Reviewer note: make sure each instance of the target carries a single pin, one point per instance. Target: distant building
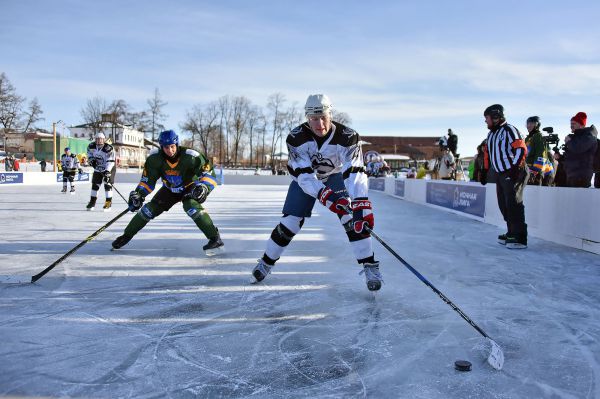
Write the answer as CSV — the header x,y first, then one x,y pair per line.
x,y
129,144
416,148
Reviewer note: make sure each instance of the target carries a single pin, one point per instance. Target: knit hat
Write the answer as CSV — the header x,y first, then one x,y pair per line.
x,y
580,118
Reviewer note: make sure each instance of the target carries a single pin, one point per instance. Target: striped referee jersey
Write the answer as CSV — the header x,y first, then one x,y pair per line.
x,y
505,148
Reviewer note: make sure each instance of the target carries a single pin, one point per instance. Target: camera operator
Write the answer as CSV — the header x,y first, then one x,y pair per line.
x,y
446,165
536,151
505,150
579,153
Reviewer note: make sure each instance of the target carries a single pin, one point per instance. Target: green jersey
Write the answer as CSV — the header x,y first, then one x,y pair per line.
x,y
189,168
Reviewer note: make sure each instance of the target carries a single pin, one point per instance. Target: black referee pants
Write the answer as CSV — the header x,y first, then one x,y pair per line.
x,y
510,201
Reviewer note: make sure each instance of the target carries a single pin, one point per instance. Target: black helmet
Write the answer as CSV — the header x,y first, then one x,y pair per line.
x,y
536,120
495,111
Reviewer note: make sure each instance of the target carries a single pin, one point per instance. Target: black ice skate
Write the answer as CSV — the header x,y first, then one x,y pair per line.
x,y
214,246
121,241
72,190
502,239
64,190
90,206
107,205
261,270
372,275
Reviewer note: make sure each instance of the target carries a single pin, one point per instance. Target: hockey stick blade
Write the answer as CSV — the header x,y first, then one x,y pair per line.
x,y
496,357
15,280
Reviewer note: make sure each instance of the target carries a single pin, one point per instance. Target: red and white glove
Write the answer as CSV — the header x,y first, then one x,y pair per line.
x,y
362,215
337,203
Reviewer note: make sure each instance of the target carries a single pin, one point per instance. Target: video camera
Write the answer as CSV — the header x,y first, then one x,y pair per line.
x,y
552,138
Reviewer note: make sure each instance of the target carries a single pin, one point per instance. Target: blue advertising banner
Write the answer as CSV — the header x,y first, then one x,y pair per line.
x,y
78,177
377,184
467,199
11,178
399,188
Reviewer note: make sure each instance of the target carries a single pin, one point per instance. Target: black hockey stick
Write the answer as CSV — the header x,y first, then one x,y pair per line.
x,y
120,195
496,356
33,279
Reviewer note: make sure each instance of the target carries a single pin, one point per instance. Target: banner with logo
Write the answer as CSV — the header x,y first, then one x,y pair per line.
x,y
377,184
399,188
11,178
467,199
78,177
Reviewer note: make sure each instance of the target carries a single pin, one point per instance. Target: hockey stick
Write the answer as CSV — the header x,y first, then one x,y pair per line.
x,y
33,279
496,356
120,195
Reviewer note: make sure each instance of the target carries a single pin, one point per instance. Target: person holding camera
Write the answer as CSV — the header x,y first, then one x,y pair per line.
x,y
579,152
536,151
446,165
505,150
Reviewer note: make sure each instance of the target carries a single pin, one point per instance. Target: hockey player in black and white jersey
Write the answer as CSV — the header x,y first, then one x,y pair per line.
x,y
101,157
70,165
326,164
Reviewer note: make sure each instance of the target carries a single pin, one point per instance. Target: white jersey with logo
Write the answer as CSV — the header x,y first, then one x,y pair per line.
x,y
69,163
310,163
104,156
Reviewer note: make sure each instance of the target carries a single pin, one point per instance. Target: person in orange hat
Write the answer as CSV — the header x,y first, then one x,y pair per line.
x,y
579,152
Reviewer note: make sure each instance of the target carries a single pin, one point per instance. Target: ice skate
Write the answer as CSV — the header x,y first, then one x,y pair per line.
x,y
214,246
372,275
121,241
502,239
90,206
107,205
516,242
261,270
64,190
72,190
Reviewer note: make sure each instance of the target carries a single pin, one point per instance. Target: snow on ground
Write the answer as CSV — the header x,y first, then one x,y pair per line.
x,y
159,319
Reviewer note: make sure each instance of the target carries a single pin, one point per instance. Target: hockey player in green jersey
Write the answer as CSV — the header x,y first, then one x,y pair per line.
x,y
187,176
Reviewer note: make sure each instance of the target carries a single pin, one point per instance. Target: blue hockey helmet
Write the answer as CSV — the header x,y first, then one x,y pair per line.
x,y
67,149
168,137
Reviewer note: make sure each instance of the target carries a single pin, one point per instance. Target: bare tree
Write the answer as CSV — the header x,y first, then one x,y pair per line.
x,y
201,123
224,115
341,117
10,104
276,120
32,115
240,108
155,113
92,112
253,123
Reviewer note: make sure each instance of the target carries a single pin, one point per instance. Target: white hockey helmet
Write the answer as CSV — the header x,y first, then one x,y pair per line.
x,y
100,135
317,104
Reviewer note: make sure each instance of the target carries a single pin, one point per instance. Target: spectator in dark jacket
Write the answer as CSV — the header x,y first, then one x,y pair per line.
x,y
579,153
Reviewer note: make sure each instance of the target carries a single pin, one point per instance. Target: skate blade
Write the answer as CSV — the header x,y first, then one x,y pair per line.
x,y
15,279
106,209
215,251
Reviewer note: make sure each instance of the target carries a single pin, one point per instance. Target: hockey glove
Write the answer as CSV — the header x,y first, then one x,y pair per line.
x,y
106,176
80,171
199,192
135,201
334,201
93,163
362,215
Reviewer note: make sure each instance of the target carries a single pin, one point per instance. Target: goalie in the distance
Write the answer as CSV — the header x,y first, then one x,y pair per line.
x,y
187,177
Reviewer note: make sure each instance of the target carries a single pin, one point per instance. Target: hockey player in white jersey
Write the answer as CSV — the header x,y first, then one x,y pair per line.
x,y
102,158
326,164
70,165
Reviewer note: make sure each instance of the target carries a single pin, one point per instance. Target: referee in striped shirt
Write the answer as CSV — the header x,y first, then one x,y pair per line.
x,y
505,152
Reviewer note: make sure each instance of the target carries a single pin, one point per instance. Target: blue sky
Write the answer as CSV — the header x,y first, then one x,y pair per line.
x,y
412,68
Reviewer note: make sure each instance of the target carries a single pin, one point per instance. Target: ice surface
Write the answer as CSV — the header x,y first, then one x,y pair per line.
x,y
160,319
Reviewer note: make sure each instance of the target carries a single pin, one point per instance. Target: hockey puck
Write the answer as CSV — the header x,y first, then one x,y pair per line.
x,y
462,365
